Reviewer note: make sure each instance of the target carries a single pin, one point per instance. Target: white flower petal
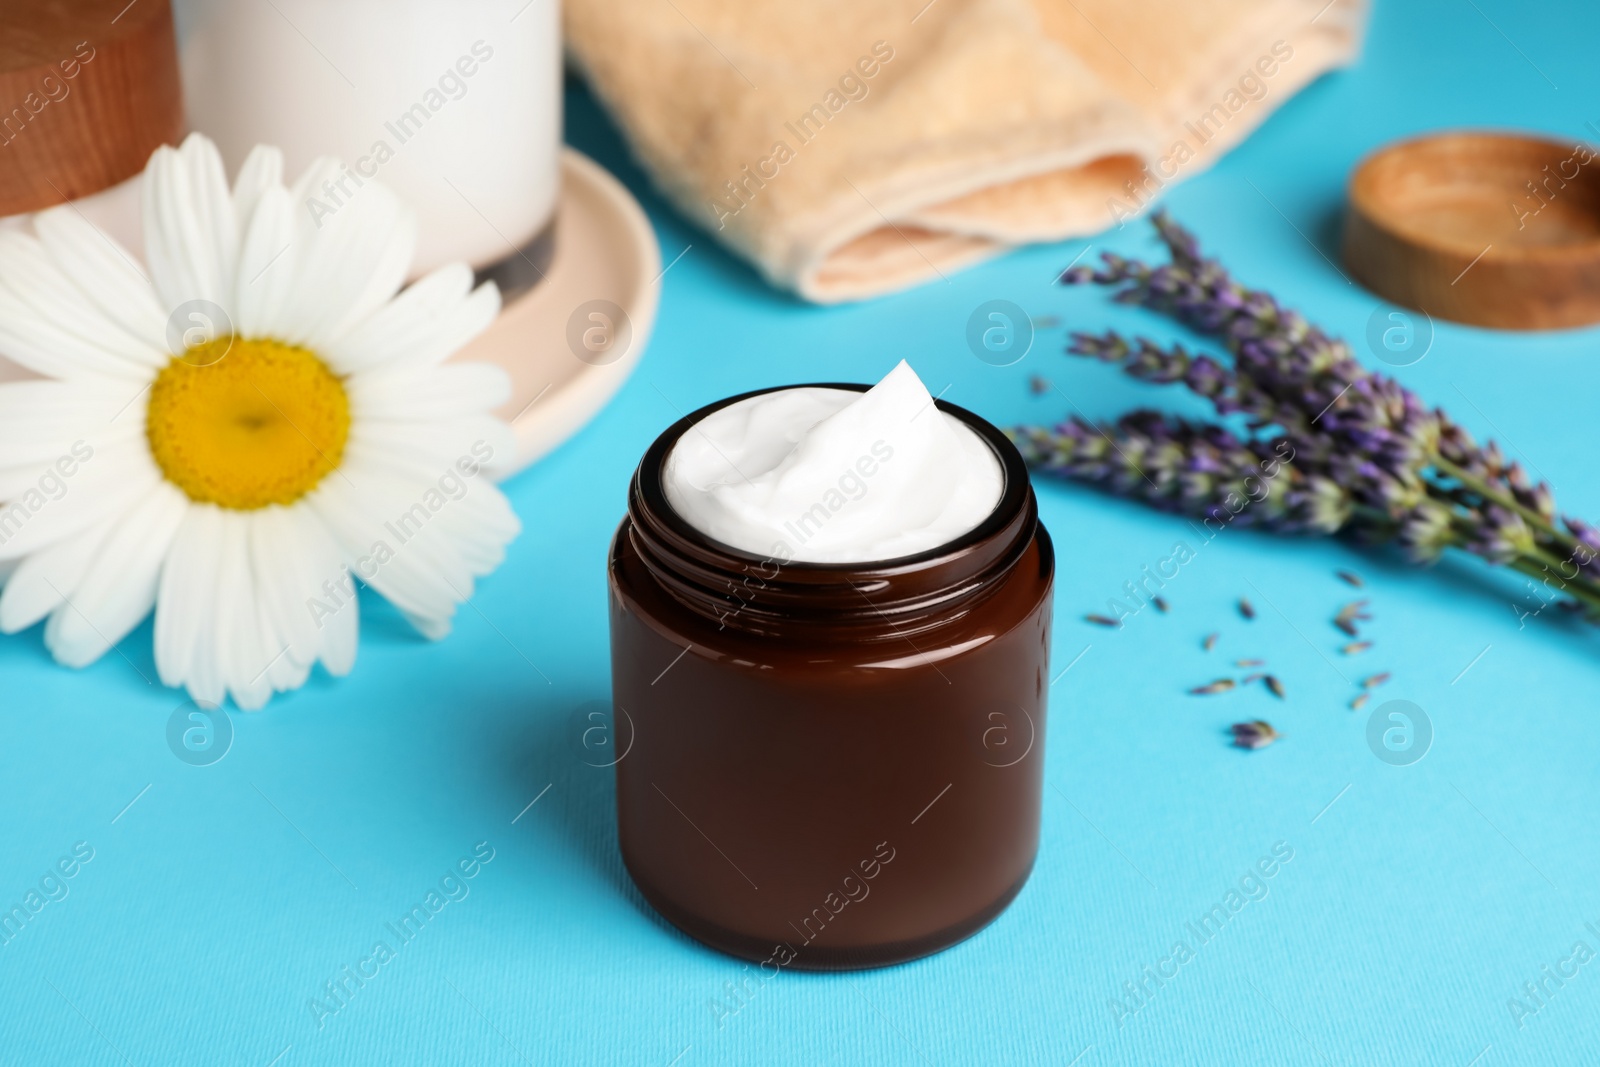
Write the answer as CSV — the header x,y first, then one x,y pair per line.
x,y
314,182
171,273
339,636
277,568
45,423
375,270
420,578
119,587
267,266
350,263
20,484
373,344
230,593
426,324
111,483
286,673
78,405
105,273
245,653
427,577
279,556
36,344
437,535
42,582
49,463
416,394
479,526
296,563
431,449
262,170
213,205
48,325
403,480
293,316
191,233
183,603
429,627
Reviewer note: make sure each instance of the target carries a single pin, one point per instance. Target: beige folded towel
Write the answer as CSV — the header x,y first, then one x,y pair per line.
x,y
856,147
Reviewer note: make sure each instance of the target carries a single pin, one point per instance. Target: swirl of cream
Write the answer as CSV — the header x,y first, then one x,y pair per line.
x,y
820,475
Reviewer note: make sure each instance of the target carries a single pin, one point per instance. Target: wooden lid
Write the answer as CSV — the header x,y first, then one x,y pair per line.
x,y
1489,229
88,89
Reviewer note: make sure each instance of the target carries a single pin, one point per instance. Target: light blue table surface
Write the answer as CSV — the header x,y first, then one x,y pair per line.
x,y
1419,900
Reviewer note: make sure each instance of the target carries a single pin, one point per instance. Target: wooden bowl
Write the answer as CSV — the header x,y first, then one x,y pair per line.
x,y
1489,229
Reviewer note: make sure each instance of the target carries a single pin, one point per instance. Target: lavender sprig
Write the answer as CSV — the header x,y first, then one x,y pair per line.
x,y
1194,469
1349,450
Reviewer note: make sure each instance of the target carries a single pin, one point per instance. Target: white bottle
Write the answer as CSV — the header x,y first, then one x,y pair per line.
x,y
453,104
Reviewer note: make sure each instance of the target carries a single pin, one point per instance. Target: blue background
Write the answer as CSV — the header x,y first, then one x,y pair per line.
x,y
1415,906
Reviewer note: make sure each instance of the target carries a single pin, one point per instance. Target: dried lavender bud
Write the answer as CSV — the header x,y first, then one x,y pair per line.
x,y
1249,663
1355,647
1373,681
1102,620
1246,608
1346,619
1253,735
1359,702
1038,385
1210,642
1350,577
1274,685
1221,685
1161,604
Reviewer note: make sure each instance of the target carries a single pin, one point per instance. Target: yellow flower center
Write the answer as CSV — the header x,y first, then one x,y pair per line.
x,y
247,423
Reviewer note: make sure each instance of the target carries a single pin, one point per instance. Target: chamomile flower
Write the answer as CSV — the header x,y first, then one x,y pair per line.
x,y
238,476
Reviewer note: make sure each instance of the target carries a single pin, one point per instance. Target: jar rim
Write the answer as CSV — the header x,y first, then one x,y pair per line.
x,y
897,597
1015,488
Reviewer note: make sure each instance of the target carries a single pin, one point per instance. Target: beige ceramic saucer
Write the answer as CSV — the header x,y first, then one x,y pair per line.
x,y
571,342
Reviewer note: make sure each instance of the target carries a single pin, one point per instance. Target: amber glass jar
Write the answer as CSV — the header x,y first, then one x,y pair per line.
x,y
832,765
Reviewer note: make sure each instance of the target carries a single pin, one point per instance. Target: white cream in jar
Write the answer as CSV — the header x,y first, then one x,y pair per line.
x,y
818,475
